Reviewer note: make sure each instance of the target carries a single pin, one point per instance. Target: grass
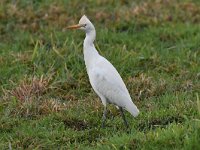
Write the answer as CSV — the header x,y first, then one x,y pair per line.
x,y
46,101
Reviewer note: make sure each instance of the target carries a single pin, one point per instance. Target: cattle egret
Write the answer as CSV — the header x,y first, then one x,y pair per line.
x,y
103,77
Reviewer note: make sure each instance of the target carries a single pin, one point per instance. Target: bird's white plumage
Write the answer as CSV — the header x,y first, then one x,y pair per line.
x,y
103,76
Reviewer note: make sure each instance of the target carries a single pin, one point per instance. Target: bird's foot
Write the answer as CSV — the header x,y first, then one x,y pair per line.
x,y
103,125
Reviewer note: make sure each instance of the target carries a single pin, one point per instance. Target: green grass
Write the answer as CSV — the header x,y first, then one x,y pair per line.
x,y
46,101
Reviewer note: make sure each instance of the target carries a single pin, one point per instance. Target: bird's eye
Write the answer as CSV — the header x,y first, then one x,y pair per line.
x,y
85,25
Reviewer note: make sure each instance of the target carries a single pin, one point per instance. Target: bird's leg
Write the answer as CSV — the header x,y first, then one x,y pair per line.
x,y
112,116
104,117
123,116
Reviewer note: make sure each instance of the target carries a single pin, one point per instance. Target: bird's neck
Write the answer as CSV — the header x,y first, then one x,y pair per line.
x,y
89,39
90,52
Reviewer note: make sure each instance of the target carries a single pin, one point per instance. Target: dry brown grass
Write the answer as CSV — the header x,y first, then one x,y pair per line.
x,y
188,82
56,14
163,10
30,99
29,19
29,89
24,57
143,86
152,12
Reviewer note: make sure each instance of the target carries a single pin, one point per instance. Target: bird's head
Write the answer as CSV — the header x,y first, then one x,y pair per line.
x,y
84,24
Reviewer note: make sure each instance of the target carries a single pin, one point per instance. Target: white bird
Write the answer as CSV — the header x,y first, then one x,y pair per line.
x,y
103,77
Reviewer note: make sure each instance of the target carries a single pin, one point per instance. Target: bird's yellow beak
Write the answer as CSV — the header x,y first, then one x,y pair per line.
x,y
77,26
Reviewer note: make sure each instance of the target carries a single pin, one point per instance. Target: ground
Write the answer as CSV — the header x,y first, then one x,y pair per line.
x,y
46,101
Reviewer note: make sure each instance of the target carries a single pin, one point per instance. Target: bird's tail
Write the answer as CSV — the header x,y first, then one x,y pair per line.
x,y
132,108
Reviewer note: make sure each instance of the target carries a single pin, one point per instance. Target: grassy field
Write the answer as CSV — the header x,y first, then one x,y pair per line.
x,y
46,101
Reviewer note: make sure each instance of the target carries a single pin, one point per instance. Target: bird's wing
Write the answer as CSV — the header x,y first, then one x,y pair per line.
x,y
106,81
